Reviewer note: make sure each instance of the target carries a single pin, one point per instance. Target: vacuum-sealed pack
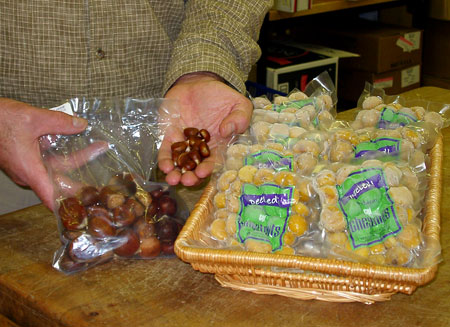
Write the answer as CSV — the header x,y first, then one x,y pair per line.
x,y
107,201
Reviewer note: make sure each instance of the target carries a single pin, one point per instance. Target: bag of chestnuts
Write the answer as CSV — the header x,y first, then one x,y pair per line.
x,y
106,202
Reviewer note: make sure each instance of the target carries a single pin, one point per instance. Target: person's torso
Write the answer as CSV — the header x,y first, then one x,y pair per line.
x,y
52,50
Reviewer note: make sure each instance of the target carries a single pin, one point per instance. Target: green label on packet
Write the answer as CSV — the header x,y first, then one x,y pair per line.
x,y
297,104
391,119
383,148
270,159
368,208
263,214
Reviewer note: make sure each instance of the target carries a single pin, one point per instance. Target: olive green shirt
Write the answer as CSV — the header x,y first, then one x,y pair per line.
x,y
52,50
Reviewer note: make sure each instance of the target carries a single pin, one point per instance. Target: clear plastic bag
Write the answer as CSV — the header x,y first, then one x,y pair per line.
x,y
107,203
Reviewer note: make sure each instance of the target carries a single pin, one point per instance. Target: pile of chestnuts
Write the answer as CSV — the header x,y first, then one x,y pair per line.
x,y
188,154
119,219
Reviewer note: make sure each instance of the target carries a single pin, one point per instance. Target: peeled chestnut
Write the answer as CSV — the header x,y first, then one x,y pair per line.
x,y
150,247
72,214
89,195
130,245
100,227
167,205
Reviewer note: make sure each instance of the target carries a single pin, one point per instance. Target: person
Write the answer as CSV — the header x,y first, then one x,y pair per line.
x,y
196,51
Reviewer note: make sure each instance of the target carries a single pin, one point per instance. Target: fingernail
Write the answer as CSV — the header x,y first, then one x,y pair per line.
x,y
78,122
229,128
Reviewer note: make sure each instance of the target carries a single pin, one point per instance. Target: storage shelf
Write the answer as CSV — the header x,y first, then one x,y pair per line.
x,y
322,6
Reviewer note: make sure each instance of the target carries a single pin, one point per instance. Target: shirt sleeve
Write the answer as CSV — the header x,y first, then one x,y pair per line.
x,y
218,36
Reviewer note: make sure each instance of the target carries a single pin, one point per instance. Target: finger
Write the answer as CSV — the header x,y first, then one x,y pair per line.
x,y
78,158
165,162
189,178
237,121
40,183
173,177
53,122
205,168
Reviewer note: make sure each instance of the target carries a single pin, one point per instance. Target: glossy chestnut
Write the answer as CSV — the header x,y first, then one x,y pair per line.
x,y
150,247
72,214
131,243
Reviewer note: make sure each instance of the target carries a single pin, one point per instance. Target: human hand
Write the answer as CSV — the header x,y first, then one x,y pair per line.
x,y
205,101
21,126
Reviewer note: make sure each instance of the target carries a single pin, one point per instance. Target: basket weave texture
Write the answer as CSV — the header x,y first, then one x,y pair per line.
x,y
306,277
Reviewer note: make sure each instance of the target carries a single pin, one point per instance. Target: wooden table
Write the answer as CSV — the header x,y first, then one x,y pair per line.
x,y
169,292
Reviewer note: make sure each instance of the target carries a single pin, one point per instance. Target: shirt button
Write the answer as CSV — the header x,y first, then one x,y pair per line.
x,y
100,54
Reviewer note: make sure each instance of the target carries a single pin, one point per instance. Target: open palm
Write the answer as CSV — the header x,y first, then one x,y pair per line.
x,y
204,102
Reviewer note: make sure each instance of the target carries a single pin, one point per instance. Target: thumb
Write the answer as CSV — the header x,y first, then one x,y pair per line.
x,y
237,121
54,122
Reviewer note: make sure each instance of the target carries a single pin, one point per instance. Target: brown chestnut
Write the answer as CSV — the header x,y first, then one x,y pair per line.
x,y
193,141
152,210
138,208
167,205
71,234
167,230
100,227
123,183
190,131
72,214
89,195
110,198
204,134
150,247
179,146
204,149
168,248
130,245
145,228
195,156
97,210
123,215
157,193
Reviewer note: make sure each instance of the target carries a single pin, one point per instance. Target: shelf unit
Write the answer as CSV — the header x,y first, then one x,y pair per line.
x,y
322,6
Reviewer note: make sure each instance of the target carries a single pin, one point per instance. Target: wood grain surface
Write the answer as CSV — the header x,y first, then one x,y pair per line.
x,y
168,292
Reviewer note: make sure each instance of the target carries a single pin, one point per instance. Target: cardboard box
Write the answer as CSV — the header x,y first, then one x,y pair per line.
x,y
381,47
440,9
352,82
291,65
436,51
292,5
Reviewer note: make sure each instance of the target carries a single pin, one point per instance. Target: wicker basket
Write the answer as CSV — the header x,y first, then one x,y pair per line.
x,y
306,277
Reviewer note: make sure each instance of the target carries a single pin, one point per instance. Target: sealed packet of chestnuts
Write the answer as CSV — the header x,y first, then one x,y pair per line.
x,y
106,202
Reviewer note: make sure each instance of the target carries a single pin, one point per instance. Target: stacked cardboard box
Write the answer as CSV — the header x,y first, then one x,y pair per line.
x,y
390,56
